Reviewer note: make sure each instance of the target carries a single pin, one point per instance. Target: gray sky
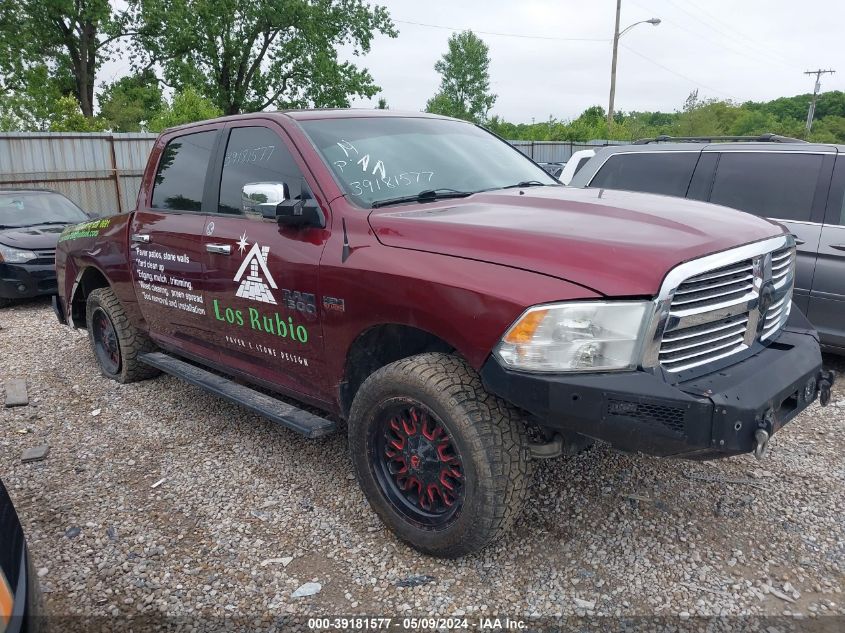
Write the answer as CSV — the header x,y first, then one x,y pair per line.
x,y
741,50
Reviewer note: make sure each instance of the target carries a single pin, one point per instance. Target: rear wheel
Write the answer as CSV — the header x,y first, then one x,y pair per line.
x,y
442,462
115,341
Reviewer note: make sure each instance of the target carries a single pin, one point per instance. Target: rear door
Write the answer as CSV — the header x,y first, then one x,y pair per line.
x,y
166,244
264,299
787,186
827,299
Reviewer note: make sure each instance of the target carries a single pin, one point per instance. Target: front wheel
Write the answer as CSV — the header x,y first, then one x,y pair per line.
x,y
443,463
115,341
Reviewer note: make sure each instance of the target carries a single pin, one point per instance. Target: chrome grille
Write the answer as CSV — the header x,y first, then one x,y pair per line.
x,y
726,285
700,344
783,280
720,305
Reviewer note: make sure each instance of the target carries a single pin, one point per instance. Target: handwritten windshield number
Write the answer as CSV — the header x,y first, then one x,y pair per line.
x,y
391,182
249,155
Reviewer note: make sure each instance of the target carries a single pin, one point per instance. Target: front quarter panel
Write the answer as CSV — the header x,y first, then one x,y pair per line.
x,y
466,303
101,244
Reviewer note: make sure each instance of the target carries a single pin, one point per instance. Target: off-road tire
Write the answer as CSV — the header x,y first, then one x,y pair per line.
x,y
131,340
5,303
489,434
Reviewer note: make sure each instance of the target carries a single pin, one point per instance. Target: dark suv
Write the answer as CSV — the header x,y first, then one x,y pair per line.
x,y
801,185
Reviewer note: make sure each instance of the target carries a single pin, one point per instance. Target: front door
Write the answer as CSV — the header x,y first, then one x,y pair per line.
x,y
166,246
263,300
827,300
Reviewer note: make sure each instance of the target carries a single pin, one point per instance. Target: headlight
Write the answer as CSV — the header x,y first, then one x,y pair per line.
x,y
14,255
578,336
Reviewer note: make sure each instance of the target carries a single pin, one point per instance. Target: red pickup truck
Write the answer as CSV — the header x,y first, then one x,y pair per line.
x,y
418,278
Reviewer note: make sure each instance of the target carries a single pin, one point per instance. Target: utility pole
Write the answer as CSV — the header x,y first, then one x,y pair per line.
x,y
616,35
613,65
818,73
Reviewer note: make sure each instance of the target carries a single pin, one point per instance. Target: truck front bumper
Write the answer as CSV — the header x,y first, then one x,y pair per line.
x,y
715,415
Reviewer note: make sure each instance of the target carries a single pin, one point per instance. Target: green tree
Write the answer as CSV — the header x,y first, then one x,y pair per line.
x,y
186,107
69,38
464,79
131,102
67,117
31,107
248,55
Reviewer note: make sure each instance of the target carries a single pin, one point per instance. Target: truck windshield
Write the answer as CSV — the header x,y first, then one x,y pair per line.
x,y
384,158
26,208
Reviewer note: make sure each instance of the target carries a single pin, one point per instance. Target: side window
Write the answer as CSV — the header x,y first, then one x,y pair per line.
x,y
774,185
256,155
668,173
180,178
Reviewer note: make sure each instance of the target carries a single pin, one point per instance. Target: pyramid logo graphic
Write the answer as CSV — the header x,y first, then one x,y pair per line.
x,y
256,285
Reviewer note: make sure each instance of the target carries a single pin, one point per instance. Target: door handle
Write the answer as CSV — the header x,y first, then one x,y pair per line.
x,y
141,237
220,249
839,247
798,240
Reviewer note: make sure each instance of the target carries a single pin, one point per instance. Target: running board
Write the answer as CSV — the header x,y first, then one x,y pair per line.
x,y
294,418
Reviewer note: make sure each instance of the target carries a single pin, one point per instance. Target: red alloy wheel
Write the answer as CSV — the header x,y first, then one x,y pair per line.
x,y
418,465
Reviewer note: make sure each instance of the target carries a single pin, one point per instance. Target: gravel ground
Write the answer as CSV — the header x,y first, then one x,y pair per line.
x,y
603,533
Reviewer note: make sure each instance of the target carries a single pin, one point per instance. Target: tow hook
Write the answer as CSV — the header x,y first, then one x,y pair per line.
x,y
764,431
826,380
761,443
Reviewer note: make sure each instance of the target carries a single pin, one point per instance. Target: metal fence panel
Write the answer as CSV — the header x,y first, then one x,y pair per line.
x,y
557,151
99,172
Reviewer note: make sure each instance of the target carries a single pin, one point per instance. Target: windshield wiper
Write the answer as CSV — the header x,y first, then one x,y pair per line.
x,y
428,195
52,222
526,183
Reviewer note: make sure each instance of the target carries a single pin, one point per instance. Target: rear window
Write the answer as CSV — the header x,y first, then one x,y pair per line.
x,y
667,173
180,178
771,185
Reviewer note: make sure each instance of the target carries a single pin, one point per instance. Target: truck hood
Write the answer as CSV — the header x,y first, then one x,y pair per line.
x,y
32,237
616,243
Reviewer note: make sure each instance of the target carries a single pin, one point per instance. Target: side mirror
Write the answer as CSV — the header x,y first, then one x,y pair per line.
x,y
300,213
263,197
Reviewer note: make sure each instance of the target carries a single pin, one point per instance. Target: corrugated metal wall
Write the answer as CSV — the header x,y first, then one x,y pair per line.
x,y
102,172
557,151
99,172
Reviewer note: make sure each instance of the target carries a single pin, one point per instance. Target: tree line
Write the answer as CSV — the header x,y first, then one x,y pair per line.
x,y
697,117
215,57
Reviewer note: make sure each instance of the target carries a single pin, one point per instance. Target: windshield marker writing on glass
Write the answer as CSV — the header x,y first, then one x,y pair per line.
x,y
347,147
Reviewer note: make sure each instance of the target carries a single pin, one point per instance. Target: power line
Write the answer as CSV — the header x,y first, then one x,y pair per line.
x,y
740,37
675,72
743,35
500,34
744,54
